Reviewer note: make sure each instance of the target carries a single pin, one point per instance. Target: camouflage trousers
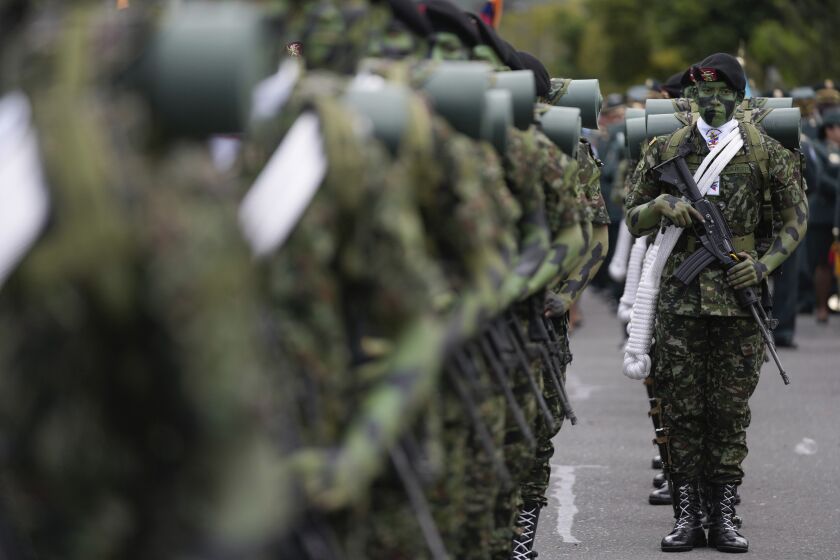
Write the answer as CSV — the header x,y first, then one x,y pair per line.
x,y
518,457
536,484
706,370
482,481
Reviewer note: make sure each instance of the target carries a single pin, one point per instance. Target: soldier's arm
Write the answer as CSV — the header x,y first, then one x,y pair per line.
x,y
564,255
788,198
596,251
646,205
570,290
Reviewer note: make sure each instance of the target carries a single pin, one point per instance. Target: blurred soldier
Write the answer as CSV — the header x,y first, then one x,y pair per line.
x,y
822,199
827,96
136,386
707,349
805,99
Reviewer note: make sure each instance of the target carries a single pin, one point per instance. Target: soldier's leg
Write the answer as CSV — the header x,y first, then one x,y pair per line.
x,y
737,354
482,480
786,287
680,358
520,456
536,485
680,382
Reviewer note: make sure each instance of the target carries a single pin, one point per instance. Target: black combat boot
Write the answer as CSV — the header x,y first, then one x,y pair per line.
x,y
656,462
723,527
688,531
659,480
523,544
660,497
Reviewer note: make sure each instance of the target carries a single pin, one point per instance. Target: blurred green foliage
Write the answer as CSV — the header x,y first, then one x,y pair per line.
x,y
623,42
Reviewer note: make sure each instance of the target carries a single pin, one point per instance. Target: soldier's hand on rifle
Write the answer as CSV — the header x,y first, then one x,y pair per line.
x,y
746,273
555,305
677,210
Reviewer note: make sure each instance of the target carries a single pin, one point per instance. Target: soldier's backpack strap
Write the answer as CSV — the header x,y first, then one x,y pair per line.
x,y
757,153
675,141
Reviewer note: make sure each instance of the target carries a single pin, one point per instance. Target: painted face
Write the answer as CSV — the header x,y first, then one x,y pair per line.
x,y
717,102
448,47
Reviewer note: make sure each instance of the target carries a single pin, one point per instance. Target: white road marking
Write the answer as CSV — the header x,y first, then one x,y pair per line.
x,y
563,493
806,447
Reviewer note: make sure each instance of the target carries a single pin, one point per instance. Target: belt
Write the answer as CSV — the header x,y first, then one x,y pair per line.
x,y
689,242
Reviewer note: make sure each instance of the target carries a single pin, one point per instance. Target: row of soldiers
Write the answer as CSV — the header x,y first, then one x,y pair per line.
x,y
339,333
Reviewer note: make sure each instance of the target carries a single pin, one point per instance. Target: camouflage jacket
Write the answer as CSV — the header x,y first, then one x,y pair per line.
x,y
589,176
740,200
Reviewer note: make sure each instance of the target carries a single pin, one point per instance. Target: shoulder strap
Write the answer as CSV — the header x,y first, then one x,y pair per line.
x,y
675,141
757,153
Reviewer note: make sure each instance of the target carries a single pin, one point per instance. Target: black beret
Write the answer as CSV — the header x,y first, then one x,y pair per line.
x,y
673,85
720,66
506,53
446,17
541,76
406,12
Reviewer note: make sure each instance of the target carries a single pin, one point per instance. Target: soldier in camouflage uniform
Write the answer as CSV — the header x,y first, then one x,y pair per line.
x,y
136,388
708,350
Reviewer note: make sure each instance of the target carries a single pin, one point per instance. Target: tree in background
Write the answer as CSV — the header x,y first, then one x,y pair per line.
x,y
624,42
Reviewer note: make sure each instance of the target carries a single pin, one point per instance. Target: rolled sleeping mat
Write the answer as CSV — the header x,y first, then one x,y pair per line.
x,y
770,103
636,136
633,113
586,96
665,106
387,109
562,125
202,64
498,118
523,91
784,125
662,125
456,90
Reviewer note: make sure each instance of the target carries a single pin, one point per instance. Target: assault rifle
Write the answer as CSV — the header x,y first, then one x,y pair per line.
x,y
715,246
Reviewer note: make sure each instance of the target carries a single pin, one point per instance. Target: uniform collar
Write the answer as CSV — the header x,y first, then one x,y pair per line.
x,y
724,129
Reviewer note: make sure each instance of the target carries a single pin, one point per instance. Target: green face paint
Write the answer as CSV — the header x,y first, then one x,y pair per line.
x,y
717,102
448,46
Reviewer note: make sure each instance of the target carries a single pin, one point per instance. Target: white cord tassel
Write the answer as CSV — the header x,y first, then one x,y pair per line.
x,y
618,264
637,361
631,282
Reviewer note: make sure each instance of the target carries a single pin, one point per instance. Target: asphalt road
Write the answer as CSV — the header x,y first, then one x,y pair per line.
x,y
601,473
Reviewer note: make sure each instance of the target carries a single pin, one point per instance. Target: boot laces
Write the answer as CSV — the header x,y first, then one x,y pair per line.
x,y
686,514
727,508
524,543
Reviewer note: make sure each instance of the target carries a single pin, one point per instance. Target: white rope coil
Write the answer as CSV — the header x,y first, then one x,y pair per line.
x,y
631,282
637,361
619,263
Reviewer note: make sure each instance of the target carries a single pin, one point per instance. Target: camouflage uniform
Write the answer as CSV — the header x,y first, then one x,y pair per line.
x,y
135,387
708,351
590,210
362,248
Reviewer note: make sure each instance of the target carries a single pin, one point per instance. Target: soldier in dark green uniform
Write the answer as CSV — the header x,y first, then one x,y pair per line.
x,y
708,350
